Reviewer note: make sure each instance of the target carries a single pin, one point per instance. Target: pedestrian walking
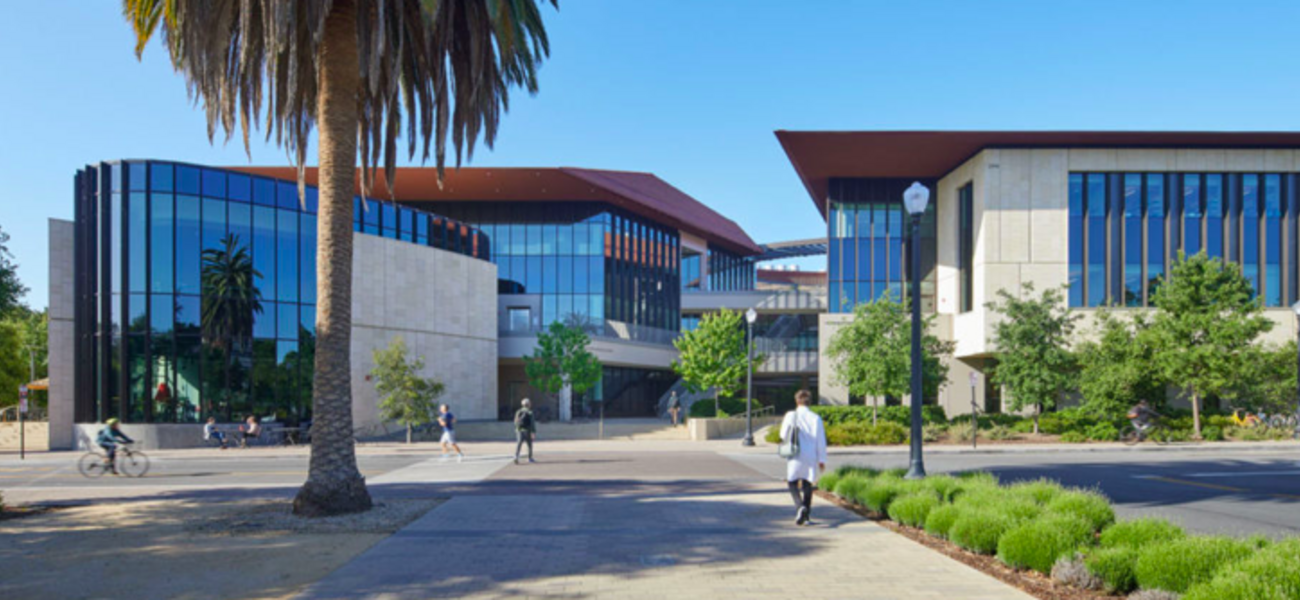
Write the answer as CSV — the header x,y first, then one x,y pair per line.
x,y
803,443
674,407
525,429
447,421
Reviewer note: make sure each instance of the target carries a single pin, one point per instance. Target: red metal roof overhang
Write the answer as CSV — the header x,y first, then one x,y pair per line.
x,y
640,193
817,156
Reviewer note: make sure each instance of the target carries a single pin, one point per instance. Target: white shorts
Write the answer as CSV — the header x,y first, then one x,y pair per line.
x,y
448,437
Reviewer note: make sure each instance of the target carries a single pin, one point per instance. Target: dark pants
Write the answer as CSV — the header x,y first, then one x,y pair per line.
x,y
804,486
110,450
522,437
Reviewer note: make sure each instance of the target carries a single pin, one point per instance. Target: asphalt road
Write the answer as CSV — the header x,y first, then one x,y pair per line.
x,y
1233,492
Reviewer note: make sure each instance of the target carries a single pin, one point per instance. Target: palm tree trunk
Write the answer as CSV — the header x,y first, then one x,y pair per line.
x,y
334,485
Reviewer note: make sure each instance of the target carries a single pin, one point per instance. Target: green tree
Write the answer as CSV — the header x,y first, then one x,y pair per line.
x,y
1118,367
367,73
11,289
1267,380
1030,340
230,301
712,356
873,355
13,361
562,363
404,395
1206,319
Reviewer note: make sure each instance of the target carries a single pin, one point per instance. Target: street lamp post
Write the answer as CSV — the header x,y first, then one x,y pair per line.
x,y
915,199
751,315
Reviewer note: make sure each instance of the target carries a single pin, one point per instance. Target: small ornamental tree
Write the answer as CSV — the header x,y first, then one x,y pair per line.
x,y
1267,379
404,395
873,356
1206,319
11,289
713,355
1035,365
562,364
1118,368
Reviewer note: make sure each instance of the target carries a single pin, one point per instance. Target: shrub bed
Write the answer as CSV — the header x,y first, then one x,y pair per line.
x,y
1038,525
1178,565
704,408
865,434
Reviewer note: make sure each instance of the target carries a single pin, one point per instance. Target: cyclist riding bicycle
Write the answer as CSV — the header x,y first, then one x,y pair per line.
x,y
1142,416
107,439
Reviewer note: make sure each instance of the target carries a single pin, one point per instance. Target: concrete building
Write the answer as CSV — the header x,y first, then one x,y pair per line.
x,y
1101,212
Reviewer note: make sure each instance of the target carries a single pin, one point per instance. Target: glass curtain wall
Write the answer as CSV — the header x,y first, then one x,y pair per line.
x,y
588,263
729,272
1126,229
196,292
867,232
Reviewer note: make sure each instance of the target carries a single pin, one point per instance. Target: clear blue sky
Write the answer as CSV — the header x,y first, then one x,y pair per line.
x,y
692,90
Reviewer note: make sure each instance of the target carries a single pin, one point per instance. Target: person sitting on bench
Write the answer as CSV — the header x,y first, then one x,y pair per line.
x,y
250,429
211,433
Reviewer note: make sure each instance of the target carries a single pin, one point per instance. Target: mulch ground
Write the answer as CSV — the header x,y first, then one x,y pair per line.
x,y
1030,582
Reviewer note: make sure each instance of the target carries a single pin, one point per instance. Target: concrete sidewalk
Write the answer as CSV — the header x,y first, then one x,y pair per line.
x,y
645,525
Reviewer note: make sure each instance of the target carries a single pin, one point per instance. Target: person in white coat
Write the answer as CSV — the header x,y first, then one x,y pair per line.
x,y
803,469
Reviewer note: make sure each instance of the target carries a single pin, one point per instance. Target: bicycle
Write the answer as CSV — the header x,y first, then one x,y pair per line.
x,y
1285,421
132,463
1132,434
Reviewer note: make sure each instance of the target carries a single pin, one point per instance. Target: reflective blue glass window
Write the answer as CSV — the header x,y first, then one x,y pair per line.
x,y
582,275
533,274
187,180
287,321
1132,240
160,177
1214,215
564,266
313,200
1076,239
286,251
1155,232
596,269
138,181
240,224
214,223
263,191
1192,213
115,242
307,258
137,235
550,278
188,317
188,231
161,310
1250,229
564,240
306,321
137,316
161,223
1096,198
264,251
239,187
264,321
1273,240
214,183
286,195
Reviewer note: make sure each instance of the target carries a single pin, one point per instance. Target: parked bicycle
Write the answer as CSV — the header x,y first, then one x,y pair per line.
x,y
132,463
1156,431
1285,421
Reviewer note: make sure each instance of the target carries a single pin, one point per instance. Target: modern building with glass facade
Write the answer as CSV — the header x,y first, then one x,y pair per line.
x,y
193,288
1105,213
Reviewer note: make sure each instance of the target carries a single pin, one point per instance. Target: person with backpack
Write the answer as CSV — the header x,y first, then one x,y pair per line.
x,y
525,429
803,445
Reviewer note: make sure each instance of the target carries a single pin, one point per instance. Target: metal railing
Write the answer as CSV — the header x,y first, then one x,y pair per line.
x,y
615,330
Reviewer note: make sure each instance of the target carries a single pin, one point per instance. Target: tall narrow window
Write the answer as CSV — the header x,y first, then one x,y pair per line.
x,y
966,237
1155,204
1132,240
1096,199
1273,240
1192,214
1214,215
1076,216
1250,229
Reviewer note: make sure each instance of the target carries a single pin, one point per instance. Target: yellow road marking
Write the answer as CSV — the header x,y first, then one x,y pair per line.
x,y
1225,488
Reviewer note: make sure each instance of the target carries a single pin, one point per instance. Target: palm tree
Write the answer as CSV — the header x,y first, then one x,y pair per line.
x,y
230,299
353,67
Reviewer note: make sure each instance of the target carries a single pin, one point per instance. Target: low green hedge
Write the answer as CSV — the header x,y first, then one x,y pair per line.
x,y
704,408
1140,533
940,520
1271,574
1178,565
828,481
865,434
1037,544
913,509
1092,507
979,529
1115,567
1041,491
901,415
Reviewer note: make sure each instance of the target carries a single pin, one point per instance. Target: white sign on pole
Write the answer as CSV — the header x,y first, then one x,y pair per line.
x,y
22,398
974,379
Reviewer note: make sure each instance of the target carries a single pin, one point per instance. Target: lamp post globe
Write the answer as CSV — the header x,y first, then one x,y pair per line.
x,y
915,199
751,315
